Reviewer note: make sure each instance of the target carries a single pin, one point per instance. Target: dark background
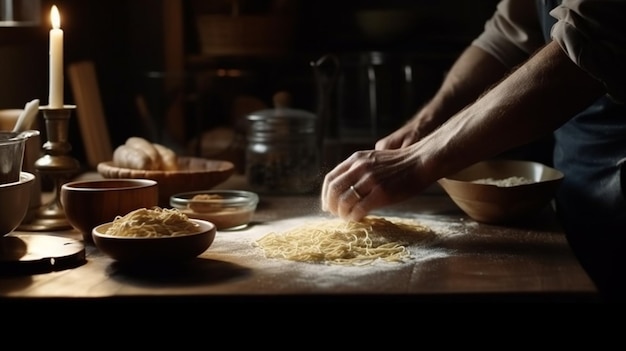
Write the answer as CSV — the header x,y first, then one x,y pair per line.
x,y
124,38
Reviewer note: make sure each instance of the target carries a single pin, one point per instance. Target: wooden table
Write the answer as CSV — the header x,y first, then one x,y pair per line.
x,y
468,262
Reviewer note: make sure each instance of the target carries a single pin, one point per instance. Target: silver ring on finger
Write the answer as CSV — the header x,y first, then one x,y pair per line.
x,y
356,193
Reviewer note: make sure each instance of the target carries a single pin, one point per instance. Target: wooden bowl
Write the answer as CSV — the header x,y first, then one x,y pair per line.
x,y
163,249
194,173
502,203
88,203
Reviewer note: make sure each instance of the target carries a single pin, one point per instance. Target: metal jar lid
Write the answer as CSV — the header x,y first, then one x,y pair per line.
x,y
281,122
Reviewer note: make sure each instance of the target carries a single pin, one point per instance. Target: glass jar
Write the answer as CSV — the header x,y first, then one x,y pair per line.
x,y
282,154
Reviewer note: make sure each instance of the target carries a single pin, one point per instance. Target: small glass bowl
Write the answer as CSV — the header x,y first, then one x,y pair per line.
x,y
227,209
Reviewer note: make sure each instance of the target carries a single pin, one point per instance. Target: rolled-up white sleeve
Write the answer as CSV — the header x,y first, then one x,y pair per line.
x,y
593,34
513,33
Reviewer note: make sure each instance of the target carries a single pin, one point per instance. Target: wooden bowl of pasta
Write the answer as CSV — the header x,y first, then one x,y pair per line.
x,y
154,236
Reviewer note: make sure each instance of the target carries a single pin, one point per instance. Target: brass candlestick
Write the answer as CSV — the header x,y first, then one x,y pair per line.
x,y
56,164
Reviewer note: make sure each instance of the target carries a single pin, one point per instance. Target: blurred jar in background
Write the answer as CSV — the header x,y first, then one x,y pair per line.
x,y
282,154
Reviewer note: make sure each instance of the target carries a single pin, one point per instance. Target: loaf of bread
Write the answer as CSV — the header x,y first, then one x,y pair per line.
x,y
169,161
139,153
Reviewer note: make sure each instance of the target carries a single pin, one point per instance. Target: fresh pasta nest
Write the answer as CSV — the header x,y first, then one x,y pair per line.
x,y
154,222
154,235
335,241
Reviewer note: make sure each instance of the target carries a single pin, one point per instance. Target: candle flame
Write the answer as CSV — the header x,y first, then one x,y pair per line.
x,y
55,17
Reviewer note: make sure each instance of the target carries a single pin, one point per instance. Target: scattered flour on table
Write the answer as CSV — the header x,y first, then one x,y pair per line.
x,y
239,247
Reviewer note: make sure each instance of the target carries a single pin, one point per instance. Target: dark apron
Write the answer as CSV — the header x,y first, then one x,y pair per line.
x,y
590,150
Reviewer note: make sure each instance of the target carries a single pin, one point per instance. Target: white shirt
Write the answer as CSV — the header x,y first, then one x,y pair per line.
x,y
591,32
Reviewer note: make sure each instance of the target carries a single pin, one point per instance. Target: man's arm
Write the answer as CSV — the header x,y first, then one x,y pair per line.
x,y
472,73
534,100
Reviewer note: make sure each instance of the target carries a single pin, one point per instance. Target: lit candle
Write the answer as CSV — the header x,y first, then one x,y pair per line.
x,y
55,99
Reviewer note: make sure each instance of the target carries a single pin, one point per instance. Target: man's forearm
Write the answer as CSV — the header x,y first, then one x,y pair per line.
x,y
473,73
534,100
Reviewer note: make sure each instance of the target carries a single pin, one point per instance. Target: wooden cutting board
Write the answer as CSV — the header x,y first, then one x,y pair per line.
x,y
34,253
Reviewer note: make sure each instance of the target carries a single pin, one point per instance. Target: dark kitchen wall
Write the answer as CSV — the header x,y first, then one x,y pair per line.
x,y
392,25
425,35
23,63
125,40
